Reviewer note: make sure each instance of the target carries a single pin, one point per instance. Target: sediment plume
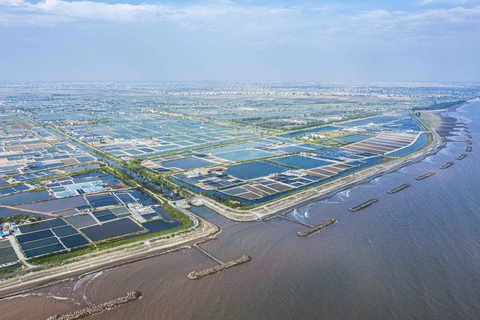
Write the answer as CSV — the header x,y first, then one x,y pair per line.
x,y
46,285
85,312
309,231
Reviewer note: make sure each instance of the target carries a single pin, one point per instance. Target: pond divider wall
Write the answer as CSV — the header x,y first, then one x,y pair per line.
x,y
425,176
85,312
196,275
309,231
446,165
363,205
399,188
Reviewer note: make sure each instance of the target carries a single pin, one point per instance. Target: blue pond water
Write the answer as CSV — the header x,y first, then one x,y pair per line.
x,y
302,162
255,169
245,155
111,229
421,141
187,163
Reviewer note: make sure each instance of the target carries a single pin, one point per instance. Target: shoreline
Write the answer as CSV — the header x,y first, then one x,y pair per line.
x,y
109,260
146,249
318,193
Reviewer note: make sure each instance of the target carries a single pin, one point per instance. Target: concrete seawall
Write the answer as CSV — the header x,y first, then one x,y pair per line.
x,y
85,312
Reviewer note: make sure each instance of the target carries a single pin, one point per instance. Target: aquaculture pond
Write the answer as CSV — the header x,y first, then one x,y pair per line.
x,y
302,162
160,225
25,197
257,169
81,221
187,163
245,155
420,142
47,237
374,120
111,229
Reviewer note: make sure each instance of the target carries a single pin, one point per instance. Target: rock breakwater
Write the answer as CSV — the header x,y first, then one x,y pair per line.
x,y
309,231
362,206
85,312
196,275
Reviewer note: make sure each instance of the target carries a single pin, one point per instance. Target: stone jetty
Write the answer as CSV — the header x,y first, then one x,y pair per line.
x,y
196,275
309,231
399,188
85,312
425,176
447,165
462,156
362,206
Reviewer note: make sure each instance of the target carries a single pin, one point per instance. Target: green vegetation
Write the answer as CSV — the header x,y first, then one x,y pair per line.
x,y
8,270
62,256
439,106
21,217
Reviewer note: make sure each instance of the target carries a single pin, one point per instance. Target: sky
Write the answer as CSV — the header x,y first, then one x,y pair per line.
x,y
265,40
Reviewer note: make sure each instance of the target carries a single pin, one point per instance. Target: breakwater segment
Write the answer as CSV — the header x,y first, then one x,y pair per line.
x,y
469,149
447,165
425,176
362,206
399,188
196,275
462,156
85,312
309,231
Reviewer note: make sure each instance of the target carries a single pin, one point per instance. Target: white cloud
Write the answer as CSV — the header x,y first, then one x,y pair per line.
x,y
256,23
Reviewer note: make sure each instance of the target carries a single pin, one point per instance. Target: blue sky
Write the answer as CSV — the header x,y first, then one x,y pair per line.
x,y
417,40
